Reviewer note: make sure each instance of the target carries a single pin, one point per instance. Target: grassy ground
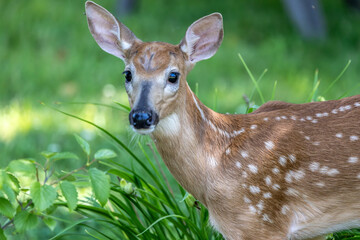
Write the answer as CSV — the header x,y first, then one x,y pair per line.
x,y
47,54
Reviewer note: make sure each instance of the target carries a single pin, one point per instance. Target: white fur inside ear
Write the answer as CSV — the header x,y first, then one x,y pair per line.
x,y
125,45
169,125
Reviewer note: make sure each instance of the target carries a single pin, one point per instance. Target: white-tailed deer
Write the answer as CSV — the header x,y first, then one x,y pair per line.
x,y
285,171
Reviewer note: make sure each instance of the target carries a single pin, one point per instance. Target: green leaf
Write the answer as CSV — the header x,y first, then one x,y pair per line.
x,y
48,154
2,235
24,221
2,178
23,167
69,192
43,196
64,155
100,183
10,194
51,223
105,154
83,144
6,208
13,182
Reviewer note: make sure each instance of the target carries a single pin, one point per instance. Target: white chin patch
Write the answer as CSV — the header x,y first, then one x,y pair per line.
x,y
144,131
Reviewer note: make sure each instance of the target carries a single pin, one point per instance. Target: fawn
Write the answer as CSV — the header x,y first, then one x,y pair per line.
x,y
285,171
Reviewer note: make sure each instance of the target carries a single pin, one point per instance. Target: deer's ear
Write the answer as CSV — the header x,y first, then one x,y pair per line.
x,y
110,34
203,38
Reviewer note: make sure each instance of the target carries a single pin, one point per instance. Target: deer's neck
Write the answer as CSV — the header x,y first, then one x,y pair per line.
x,y
191,142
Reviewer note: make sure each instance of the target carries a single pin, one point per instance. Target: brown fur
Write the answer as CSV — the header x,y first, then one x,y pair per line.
x,y
281,172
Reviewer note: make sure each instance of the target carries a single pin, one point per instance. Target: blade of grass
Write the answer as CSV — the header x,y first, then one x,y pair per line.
x,y
315,85
313,91
160,219
338,78
273,91
258,81
252,79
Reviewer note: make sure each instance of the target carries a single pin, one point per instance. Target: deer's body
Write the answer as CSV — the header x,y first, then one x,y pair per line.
x,y
285,171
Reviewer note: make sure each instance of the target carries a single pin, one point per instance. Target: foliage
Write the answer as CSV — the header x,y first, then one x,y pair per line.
x,y
119,197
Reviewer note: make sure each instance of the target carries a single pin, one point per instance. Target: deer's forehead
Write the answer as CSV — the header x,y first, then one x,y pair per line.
x,y
152,58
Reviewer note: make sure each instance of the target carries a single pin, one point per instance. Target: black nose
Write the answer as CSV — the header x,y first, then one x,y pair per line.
x,y
142,119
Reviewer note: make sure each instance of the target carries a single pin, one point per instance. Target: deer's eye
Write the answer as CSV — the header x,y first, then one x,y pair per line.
x,y
128,76
173,77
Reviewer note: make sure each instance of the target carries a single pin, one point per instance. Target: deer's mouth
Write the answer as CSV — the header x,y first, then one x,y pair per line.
x,y
143,121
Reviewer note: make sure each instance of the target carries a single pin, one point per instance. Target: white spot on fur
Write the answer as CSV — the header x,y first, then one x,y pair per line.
x,y
244,174
314,121
254,189
302,119
357,104
353,159
227,152
316,143
334,111
354,138
307,138
253,127
266,218
282,161
238,164
277,118
244,185
260,206
319,115
314,166
292,158
284,117
267,195
253,168
238,132
358,176
339,135
247,200
276,186
320,184
309,118
275,170
284,209
292,192
288,176
324,170
269,145
293,117
244,154
268,180
252,209
266,119
333,172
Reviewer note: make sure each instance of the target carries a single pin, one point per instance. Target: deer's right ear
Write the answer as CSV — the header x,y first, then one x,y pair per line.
x,y
110,34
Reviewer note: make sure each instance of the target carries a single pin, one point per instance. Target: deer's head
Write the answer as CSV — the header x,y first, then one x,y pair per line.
x,y
155,72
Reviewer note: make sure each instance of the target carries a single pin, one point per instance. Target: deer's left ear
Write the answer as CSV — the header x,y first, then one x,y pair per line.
x,y
203,38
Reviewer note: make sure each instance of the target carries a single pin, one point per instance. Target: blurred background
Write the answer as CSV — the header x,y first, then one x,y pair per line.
x,y
48,55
